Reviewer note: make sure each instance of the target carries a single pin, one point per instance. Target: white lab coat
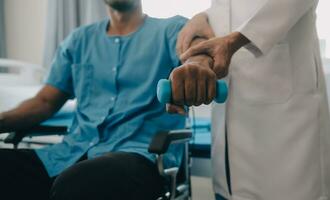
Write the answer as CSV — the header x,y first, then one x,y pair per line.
x,y
277,116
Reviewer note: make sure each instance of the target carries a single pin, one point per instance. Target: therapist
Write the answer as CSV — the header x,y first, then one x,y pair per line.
x,y
275,144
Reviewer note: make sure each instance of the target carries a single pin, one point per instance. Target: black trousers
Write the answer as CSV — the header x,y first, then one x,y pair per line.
x,y
115,176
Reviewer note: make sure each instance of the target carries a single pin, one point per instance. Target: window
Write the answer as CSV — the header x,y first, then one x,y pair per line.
x,y
168,8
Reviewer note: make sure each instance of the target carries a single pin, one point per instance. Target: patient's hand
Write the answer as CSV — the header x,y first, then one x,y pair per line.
x,y
193,83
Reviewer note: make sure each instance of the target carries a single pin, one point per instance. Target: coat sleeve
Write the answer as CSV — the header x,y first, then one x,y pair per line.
x,y
271,23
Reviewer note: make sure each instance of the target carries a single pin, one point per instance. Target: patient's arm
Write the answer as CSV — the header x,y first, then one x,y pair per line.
x,y
187,88
33,111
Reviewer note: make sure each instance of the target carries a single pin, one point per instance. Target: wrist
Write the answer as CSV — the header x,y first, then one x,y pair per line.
x,y
236,41
202,59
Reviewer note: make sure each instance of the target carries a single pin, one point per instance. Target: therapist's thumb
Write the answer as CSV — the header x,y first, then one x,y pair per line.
x,y
184,40
221,66
201,48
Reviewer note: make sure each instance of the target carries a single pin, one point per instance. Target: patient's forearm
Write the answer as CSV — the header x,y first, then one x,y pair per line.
x,y
31,112
25,116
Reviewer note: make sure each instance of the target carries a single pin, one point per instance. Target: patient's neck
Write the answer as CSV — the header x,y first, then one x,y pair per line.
x,y
123,23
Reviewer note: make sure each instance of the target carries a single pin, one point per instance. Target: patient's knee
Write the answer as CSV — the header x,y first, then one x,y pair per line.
x,y
79,182
67,186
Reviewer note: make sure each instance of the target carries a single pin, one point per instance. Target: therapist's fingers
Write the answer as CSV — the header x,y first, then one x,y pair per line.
x,y
187,42
201,48
209,32
174,109
197,27
221,64
184,40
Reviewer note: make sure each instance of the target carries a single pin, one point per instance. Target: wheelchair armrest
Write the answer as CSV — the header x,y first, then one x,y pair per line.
x,y
16,137
162,140
159,146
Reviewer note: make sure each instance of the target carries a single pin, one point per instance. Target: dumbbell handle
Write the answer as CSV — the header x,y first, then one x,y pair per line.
x,y
164,91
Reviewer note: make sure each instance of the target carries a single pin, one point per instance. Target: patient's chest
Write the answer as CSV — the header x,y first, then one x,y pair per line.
x,y
122,72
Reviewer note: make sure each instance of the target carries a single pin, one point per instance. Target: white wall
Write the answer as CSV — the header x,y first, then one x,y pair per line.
x,y
168,8
25,29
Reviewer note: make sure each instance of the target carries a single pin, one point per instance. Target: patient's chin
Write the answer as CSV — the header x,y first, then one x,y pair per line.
x,y
122,6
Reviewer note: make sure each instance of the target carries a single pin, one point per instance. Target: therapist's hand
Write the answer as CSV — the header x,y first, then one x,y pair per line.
x,y
221,49
193,84
198,26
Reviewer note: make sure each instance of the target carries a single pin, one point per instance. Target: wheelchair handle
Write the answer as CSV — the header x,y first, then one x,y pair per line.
x,y
164,91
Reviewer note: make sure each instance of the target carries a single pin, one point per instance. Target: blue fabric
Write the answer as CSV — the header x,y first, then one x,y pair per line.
x,y
114,80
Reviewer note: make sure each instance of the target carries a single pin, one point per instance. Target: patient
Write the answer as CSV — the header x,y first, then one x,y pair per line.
x,y
112,69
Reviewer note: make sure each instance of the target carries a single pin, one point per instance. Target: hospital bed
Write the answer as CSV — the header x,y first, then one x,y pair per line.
x,y
14,73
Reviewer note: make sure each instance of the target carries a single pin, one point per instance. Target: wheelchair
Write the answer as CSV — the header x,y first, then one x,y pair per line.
x,y
177,179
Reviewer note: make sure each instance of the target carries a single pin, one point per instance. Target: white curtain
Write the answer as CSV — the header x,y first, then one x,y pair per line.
x,y
64,16
2,31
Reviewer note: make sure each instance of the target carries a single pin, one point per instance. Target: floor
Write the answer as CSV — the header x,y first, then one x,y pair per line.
x,y
202,188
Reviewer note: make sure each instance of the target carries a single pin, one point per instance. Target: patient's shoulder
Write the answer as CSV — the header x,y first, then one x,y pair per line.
x,y
173,26
169,26
176,19
169,22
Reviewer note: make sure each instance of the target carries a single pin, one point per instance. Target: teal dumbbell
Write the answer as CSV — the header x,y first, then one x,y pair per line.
x,y
164,91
